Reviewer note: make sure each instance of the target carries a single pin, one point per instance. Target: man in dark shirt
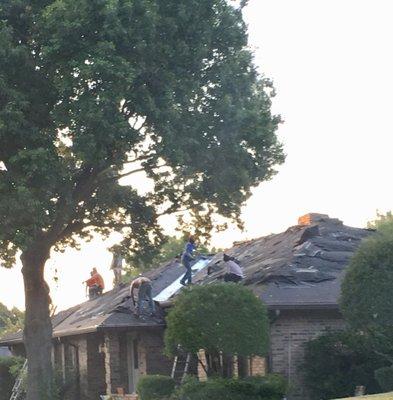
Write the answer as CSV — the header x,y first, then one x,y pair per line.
x,y
186,259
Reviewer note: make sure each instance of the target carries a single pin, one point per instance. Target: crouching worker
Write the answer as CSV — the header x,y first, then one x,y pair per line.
x,y
234,270
144,287
95,284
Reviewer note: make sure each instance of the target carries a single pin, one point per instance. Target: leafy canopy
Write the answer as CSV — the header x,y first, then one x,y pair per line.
x,y
96,90
225,318
10,320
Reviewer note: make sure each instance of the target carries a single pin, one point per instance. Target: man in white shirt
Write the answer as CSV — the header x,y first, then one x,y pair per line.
x,y
234,270
144,287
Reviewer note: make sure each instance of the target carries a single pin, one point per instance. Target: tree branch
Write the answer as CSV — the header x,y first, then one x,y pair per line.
x,y
134,171
171,210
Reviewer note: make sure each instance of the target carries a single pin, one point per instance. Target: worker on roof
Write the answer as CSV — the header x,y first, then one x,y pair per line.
x,y
234,270
117,264
186,258
144,287
95,284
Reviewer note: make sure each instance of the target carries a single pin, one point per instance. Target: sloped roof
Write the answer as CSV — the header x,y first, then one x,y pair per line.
x,y
300,268
111,310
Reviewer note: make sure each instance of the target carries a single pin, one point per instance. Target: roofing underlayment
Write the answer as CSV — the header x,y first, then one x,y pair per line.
x,y
300,268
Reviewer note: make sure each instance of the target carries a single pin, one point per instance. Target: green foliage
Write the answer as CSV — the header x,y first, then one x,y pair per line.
x,y
271,387
366,299
155,387
94,90
9,369
337,362
384,377
10,320
214,317
383,222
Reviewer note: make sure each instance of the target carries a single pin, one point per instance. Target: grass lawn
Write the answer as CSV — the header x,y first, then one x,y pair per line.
x,y
384,396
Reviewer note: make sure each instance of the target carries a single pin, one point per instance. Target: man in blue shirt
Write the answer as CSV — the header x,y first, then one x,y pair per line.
x,y
186,259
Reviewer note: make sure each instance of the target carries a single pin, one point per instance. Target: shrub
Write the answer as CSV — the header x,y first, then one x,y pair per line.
x,y
337,362
384,377
271,387
214,317
155,387
9,369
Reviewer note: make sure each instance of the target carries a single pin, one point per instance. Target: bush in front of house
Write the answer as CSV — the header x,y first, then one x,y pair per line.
x,y
270,387
9,369
155,387
337,362
219,318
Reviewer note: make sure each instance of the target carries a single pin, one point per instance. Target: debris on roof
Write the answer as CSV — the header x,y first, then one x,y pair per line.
x,y
301,267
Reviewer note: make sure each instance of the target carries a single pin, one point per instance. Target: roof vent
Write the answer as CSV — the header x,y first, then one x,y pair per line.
x,y
312,218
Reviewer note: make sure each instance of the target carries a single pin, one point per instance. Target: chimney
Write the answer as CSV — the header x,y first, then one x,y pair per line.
x,y
312,218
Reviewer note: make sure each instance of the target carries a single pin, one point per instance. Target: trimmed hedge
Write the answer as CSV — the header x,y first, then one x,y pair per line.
x,y
270,387
155,387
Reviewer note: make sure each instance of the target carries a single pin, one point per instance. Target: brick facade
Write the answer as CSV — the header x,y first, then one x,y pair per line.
x,y
288,335
156,361
102,361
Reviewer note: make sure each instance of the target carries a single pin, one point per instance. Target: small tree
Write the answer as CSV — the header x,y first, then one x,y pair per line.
x,y
221,319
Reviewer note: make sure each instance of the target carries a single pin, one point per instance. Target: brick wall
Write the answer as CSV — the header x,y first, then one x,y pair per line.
x,y
156,361
112,362
288,334
95,366
257,366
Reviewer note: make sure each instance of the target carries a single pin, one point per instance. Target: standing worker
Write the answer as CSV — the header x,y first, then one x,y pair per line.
x,y
186,259
117,265
234,270
144,287
95,284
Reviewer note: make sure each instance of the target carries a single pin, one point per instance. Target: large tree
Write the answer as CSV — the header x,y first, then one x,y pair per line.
x,y
95,90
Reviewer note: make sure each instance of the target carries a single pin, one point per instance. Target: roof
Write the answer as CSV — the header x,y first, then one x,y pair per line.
x,y
300,268
111,310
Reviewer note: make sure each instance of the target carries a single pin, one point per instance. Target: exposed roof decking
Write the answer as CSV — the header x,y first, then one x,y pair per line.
x,y
299,268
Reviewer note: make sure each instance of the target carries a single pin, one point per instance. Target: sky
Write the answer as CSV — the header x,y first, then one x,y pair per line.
x,y
331,64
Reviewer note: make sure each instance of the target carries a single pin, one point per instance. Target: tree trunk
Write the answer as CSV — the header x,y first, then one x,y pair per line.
x,y
38,327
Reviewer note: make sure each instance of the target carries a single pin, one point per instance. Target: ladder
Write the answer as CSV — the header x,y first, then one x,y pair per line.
x,y
17,390
181,364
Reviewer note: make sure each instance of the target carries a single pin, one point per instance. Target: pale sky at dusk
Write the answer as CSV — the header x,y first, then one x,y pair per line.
x,y
331,63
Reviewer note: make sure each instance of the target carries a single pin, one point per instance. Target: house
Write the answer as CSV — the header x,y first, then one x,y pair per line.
x,y
296,273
